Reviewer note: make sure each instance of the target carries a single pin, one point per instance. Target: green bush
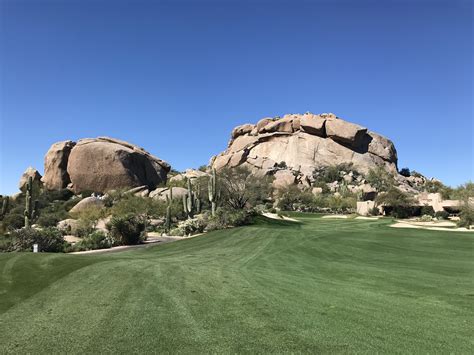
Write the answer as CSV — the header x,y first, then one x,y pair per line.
x,y
342,204
397,203
466,216
190,226
332,173
427,210
6,243
57,195
95,240
126,230
13,221
426,218
291,198
226,218
374,211
401,211
380,179
442,215
405,172
48,240
48,220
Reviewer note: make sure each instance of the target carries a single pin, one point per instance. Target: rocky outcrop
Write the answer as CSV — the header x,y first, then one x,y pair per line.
x,y
87,203
56,176
162,192
34,174
189,174
101,164
304,142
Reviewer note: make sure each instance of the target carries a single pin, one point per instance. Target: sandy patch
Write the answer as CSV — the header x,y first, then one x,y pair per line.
x,y
340,216
429,227
276,216
430,224
362,217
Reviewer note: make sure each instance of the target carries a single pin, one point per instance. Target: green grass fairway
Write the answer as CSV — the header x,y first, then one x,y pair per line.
x,y
320,286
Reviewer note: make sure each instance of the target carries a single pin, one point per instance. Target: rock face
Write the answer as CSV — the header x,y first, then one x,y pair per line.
x,y
101,164
303,143
162,192
189,174
56,176
87,203
35,175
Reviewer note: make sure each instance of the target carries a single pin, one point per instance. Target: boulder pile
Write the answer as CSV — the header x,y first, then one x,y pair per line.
x,y
293,146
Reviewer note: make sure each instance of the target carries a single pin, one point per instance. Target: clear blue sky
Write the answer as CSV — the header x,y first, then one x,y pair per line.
x,y
176,77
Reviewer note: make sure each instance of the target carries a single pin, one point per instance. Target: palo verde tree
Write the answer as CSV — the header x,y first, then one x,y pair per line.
x,y
241,188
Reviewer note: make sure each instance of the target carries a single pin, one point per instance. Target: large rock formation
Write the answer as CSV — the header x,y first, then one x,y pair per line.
x,y
56,176
302,143
34,174
101,164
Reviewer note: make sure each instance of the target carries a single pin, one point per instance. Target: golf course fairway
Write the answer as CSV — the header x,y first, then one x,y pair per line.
x,y
317,286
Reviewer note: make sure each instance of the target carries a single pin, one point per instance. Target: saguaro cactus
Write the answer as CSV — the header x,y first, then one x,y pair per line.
x,y
28,205
188,201
169,200
197,198
212,189
5,202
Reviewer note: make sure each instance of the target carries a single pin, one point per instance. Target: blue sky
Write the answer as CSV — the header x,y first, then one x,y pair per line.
x,y
176,77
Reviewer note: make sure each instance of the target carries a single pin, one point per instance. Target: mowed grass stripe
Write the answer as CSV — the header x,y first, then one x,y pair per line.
x,y
320,285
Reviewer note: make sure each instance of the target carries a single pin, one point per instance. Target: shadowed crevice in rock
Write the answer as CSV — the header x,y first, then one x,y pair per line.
x,y
362,147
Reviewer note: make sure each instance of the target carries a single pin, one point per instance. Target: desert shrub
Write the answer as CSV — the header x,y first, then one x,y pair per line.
x,y
398,212
6,243
240,188
380,179
48,220
442,215
463,192
332,173
87,220
190,226
425,218
427,210
374,211
466,217
322,185
143,206
292,198
435,186
95,240
13,221
226,218
405,172
341,204
126,230
57,195
48,240
397,203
